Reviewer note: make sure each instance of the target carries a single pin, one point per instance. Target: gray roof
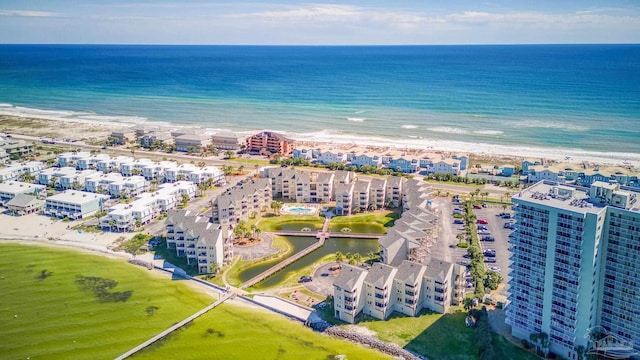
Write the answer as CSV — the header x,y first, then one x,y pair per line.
x,y
194,226
438,269
409,272
379,274
394,181
362,186
324,177
23,200
348,276
378,183
342,188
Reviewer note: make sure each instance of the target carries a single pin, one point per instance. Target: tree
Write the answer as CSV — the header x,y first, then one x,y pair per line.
x,y
227,169
468,303
229,154
240,230
241,169
357,258
349,257
138,224
460,237
26,177
214,268
339,258
276,206
254,228
201,164
371,255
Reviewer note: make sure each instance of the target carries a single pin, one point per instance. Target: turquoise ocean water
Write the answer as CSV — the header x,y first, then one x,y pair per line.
x,y
569,98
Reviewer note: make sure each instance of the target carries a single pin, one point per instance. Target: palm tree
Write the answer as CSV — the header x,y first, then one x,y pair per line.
x,y
460,237
371,255
349,257
357,258
276,206
229,154
468,303
339,258
254,228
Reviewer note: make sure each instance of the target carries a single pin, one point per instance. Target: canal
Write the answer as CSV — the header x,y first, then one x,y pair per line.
x,y
331,246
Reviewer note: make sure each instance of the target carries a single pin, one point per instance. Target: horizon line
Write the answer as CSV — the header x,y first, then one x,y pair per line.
x,y
323,45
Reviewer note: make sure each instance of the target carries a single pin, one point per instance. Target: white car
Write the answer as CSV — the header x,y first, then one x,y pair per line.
x,y
494,268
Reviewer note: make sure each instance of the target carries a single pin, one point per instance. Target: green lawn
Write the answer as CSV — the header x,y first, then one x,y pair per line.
x,y
62,304
271,223
384,218
440,336
233,332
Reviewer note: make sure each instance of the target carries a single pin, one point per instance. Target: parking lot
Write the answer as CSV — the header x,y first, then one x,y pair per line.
x,y
495,225
447,249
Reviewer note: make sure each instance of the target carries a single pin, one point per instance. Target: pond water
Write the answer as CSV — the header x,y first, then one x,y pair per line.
x,y
331,246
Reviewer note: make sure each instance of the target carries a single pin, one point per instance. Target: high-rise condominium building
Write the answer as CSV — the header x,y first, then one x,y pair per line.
x,y
575,265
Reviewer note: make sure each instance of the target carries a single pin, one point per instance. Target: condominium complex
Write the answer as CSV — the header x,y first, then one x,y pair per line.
x,y
575,264
407,288
238,203
200,241
267,143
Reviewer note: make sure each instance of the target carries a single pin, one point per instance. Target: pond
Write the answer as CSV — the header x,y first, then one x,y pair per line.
x,y
331,246
359,227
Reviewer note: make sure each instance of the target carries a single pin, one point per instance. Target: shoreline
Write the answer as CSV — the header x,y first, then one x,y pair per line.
x,y
44,124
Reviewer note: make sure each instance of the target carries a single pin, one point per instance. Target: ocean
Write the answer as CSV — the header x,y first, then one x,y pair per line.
x,y
521,99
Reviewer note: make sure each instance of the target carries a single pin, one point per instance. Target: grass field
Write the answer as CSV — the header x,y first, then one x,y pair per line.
x,y
63,304
440,336
232,332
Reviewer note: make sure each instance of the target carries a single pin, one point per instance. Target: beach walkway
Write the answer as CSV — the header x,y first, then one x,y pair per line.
x,y
175,327
321,235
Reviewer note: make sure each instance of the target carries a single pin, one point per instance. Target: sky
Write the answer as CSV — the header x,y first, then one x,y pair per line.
x,y
286,22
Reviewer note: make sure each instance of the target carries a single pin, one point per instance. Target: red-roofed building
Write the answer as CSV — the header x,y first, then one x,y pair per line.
x,y
269,143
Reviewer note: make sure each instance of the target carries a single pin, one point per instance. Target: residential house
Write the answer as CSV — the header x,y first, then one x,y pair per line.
x,y
403,165
10,189
366,160
23,204
192,143
123,136
328,157
156,139
225,140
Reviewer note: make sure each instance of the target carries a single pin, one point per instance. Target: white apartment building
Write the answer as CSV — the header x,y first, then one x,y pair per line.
x,y
239,202
407,288
203,243
576,256
74,204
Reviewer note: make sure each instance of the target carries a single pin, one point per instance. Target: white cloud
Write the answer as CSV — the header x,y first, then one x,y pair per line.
x,y
27,13
540,18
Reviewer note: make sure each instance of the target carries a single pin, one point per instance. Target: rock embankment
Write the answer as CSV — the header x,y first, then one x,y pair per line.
x,y
372,342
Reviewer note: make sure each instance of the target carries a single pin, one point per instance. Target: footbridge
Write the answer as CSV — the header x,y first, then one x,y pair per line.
x,y
321,235
175,327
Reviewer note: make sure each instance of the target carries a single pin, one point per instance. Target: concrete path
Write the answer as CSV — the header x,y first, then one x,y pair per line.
x,y
175,327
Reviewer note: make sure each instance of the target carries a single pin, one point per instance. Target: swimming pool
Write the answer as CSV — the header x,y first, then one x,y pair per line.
x,y
299,210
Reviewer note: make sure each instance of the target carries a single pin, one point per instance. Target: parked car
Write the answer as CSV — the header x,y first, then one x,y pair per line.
x,y
482,221
489,259
494,268
484,204
489,252
304,279
477,207
508,226
482,227
505,216
484,232
458,221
